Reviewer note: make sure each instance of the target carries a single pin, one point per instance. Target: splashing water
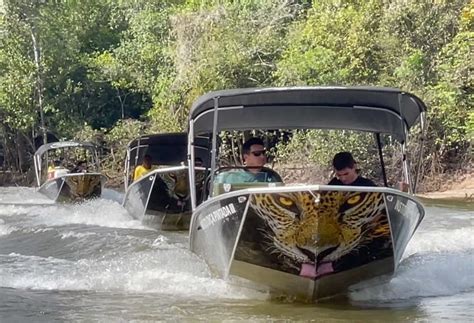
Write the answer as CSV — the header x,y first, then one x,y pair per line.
x,y
51,254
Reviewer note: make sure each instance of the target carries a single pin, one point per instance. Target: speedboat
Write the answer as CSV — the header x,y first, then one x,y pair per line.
x,y
310,241
160,198
68,171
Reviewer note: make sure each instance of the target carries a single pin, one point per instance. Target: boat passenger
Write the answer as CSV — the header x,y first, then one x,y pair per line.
x,y
144,168
81,167
346,172
254,158
57,171
51,171
198,162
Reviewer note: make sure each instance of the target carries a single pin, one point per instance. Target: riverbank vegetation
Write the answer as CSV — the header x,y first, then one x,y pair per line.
x,y
107,71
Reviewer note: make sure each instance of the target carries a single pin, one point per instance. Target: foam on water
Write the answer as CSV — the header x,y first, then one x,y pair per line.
x,y
29,196
12,210
436,263
22,195
439,261
98,212
87,258
77,235
442,240
424,275
5,229
110,194
166,270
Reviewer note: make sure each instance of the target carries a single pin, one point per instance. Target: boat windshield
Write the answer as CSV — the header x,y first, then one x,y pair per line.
x,y
236,178
64,160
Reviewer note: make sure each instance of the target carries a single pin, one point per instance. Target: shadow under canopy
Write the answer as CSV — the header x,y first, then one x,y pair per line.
x,y
167,149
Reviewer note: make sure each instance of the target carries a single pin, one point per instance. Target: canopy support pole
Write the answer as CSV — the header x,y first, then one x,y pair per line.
x,y
192,184
382,163
38,169
214,143
138,152
406,171
127,169
422,146
406,168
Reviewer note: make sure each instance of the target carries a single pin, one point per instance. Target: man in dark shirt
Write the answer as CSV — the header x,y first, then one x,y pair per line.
x,y
346,173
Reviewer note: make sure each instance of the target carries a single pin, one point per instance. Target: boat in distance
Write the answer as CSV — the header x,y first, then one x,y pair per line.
x,y
160,198
68,171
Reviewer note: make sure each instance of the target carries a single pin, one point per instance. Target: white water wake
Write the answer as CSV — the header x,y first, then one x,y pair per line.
x,y
97,246
120,254
439,261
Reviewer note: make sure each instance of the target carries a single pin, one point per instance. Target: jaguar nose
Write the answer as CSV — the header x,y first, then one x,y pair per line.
x,y
325,252
181,195
308,253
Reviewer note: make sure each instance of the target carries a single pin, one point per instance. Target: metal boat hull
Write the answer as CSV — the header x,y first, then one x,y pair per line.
x,y
310,242
72,188
161,200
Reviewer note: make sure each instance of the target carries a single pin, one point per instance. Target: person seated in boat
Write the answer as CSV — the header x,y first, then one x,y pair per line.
x,y
254,158
198,162
346,171
144,168
57,170
81,167
51,170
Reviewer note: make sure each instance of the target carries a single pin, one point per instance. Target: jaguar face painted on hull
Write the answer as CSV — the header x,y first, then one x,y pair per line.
x,y
321,227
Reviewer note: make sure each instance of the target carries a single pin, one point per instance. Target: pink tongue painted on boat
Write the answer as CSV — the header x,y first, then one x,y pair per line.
x,y
324,268
310,271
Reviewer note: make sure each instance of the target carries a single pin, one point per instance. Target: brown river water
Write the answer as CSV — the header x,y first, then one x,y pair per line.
x,y
93,262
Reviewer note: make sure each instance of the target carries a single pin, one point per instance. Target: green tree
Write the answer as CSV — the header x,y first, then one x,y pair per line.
x,y
452,100
333,45
411,35
221,45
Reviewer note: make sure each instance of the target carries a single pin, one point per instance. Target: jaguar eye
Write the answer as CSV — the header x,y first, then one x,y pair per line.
x,y
285,201
173,175
354,199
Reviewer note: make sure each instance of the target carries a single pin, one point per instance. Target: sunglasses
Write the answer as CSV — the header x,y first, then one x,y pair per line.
x,y
258,153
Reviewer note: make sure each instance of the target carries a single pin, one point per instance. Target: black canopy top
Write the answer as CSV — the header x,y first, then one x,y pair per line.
x,y
62,145
167,148
373,109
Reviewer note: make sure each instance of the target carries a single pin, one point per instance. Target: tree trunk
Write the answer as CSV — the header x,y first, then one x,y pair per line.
x,y
39,81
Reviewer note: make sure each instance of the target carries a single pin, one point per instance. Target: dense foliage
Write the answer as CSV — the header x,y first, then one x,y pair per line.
x,y
81,69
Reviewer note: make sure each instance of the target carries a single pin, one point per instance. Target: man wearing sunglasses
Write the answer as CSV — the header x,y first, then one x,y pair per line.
x,y
254,157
